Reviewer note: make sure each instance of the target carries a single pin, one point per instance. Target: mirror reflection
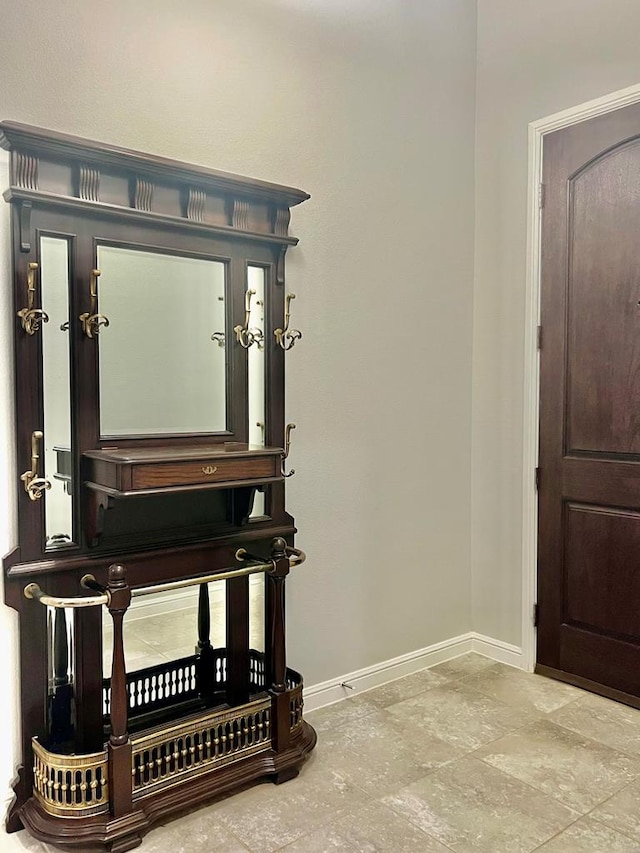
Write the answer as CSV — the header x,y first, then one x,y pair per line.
x,y
164,627
256,368
54,285
160,370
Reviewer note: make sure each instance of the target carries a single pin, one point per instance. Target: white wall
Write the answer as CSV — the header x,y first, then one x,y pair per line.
x,y
534,59
369,105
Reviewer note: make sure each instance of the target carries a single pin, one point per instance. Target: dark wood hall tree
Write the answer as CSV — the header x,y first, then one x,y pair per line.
x,y
151,326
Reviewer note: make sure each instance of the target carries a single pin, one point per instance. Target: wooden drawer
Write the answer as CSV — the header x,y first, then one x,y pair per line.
x,y
203,471
125,472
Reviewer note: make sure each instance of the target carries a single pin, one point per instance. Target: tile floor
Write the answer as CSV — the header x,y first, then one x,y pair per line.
x,y
469,756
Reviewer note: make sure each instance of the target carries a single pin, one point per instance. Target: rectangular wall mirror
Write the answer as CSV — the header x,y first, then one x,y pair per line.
x,y
256,369
54,283
160,370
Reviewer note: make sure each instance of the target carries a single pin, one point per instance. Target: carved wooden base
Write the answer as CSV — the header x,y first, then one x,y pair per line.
x,y
121,834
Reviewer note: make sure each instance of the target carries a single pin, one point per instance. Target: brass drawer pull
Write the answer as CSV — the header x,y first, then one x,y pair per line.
x,y
209,469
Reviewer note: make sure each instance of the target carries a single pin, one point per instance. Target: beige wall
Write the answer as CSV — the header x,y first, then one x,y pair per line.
x,y
369,105
534,59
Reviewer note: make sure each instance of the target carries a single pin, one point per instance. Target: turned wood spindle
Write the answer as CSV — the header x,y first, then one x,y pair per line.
x,y
276,646
119,747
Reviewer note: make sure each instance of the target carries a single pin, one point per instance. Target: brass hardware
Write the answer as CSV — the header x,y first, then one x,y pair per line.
x,y
35,486
211,739
31,318
89,581
247,337
297,557
33,592
219,338
70,785
91,321
286,337
254,568
287,445
209,469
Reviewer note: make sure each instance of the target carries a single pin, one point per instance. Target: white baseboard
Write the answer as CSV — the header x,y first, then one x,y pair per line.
x,y
498,650
328,692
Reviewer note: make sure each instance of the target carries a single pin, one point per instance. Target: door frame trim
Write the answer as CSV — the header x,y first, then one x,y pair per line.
x,y
537,131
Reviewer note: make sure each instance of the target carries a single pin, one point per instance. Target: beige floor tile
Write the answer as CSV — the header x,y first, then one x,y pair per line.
x,y
622,811
373,829
601,719
579,772
462,666
268,817
378,828
323,840
197,832
403,688
589,836
348,712
380,753
461,716
473,808
522,689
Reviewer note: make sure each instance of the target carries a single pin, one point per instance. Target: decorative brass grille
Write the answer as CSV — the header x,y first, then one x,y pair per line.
x,y
296,704
70,785
168,755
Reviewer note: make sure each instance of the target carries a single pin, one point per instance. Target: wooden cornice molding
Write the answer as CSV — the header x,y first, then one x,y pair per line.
x,y
48,164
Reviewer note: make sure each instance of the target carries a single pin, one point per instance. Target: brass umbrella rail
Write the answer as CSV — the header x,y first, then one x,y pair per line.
x,y
34,592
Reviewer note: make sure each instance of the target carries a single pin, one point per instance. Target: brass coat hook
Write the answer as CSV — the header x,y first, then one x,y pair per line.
x,y
247,337
286,337
35,486
287,445
31,318
91,321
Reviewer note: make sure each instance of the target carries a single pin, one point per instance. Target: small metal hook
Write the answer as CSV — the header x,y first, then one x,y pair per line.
x,y
91,321
287,445
286,338
32,318
245,336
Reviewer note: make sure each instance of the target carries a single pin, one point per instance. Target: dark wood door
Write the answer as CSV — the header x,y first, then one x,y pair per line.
x,y
589,487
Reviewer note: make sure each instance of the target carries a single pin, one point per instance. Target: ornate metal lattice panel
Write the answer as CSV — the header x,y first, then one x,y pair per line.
x,y
169,755
70,785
